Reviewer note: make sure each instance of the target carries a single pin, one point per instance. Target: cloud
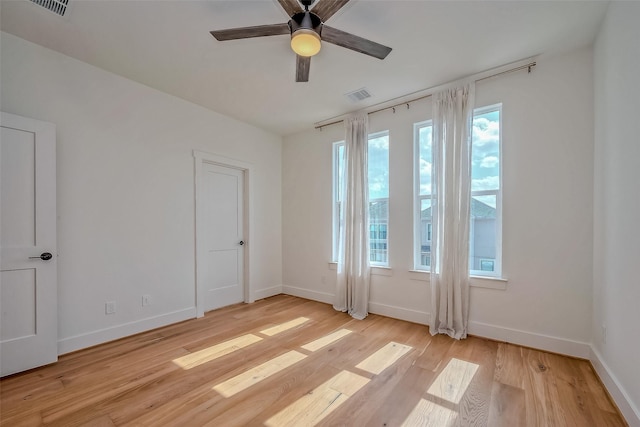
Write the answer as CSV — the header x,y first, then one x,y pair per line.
x,y
485,132
425,167
489,162
379,143
486,183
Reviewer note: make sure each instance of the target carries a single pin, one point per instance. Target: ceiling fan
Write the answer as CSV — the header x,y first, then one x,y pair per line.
x,y
307,29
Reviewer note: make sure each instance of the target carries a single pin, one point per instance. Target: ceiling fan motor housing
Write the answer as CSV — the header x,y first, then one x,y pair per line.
x,y
305,20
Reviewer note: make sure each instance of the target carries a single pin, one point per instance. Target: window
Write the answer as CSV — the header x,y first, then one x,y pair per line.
x,y
424,156
485,242
378,196
486,194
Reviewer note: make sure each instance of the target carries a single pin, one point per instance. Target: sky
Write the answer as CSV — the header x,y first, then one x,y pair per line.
x,y
485,156
485,170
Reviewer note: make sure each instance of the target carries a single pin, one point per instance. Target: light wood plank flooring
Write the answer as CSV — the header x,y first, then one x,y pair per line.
x,y
286,361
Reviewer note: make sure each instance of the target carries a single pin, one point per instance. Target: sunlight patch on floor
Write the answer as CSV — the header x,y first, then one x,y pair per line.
x,y
326,340
383,358
253,376
211,353
317,404
453,381
284,326
429,414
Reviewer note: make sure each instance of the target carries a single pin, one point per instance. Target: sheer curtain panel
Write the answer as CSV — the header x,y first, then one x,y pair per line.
x,y
452,120
352,287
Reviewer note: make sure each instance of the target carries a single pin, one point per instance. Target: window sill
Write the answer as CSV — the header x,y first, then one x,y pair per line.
x,y
487,282
376,270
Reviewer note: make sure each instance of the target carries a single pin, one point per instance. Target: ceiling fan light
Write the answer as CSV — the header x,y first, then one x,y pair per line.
x,y
305,42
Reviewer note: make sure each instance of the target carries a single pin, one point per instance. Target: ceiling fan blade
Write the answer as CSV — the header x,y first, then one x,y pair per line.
x,y
326,8
290,6
353,42
248,32
303,63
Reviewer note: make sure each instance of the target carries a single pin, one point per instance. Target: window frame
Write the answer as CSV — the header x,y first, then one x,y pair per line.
x,y
417,236
336,223
335,203
418,198
498,194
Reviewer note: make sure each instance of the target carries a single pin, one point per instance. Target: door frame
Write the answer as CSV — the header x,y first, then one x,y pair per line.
x,y
201,158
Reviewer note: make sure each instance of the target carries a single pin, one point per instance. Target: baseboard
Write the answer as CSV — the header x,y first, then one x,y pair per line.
x,y
266,293
629,411
308,294
401,313
498,333
100,336
374,308
530,339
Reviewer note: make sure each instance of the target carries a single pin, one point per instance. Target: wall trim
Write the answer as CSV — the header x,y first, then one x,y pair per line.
x,y
89,339
308,294
530,339
401,313
619,395
479,329
259,294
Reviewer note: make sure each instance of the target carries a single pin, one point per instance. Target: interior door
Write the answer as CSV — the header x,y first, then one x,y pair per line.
x,y
28,278
223,235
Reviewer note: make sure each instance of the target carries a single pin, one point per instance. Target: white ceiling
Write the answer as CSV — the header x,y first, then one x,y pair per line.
x,y
167,45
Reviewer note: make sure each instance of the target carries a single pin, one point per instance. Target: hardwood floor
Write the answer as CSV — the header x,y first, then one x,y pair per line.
x,y
286,361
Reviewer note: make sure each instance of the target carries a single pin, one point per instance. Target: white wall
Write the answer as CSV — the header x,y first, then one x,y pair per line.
x,y
617,206
548,211
126,191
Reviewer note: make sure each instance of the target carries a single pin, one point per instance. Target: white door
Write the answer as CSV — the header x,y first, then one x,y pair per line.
x,y
28,283
223,202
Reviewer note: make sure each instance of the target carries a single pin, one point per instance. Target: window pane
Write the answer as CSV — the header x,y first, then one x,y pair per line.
x,y
485,166
425,232
425,160
338,180
339,171
483,233
379,167
423,168
378,217
378,197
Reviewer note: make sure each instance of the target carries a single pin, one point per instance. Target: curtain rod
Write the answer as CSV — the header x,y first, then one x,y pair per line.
x,y
527,67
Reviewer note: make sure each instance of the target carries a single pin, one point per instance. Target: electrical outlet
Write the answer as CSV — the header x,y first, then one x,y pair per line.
x,y
110,307
604,334
146,300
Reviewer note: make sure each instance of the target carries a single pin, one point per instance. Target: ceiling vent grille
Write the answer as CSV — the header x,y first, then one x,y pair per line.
x,y
59,7
358,95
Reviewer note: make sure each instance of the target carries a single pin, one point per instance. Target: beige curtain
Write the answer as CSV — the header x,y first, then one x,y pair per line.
x,y
451,191
352,288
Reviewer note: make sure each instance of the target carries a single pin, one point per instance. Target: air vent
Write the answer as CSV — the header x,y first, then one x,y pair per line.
x,y
358,95
59,7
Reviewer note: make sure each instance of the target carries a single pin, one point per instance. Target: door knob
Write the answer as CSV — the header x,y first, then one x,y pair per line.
x,y
45,256
241,242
